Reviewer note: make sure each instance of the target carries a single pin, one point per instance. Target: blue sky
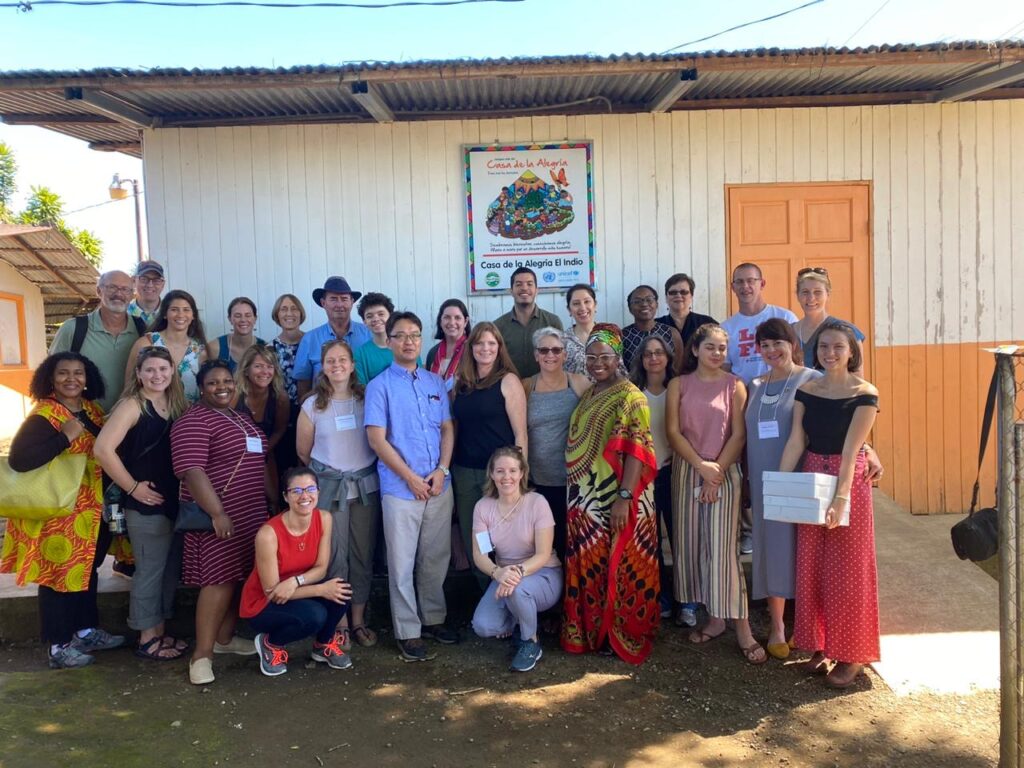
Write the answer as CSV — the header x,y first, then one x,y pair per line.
x,y
63,38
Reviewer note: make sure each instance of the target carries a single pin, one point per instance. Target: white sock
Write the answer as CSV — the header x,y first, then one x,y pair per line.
x,y
82,633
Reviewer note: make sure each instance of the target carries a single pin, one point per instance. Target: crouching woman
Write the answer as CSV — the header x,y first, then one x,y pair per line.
x,y
284,598
526,577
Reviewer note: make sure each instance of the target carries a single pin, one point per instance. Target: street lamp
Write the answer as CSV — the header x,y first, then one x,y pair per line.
x,y
118,192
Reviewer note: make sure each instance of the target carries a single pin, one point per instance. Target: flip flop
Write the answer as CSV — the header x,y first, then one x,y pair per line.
x,y
154,647
365,636
749,653
699,636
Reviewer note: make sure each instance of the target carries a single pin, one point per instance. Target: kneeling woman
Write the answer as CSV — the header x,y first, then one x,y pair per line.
x,y
284,598
526,578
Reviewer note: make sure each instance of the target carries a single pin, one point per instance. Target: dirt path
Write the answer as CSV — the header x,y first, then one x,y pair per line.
x,y
686,706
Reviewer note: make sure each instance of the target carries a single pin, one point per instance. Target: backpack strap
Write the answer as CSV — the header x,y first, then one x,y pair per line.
x,y
140,325
986,428
81,328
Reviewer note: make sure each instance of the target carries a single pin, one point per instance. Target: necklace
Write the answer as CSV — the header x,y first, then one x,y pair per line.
x,y
508,514
773,400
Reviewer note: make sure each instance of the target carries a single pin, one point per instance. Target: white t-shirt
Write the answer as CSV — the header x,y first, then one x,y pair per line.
x,y
656,405
744,356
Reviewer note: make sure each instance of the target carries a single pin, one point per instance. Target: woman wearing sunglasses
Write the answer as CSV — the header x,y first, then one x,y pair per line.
x,y
813,289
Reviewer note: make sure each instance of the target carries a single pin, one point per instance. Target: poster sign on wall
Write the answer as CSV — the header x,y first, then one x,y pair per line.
x,y
530,205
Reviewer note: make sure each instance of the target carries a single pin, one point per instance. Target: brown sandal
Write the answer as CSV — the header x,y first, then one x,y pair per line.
x,y
750,654
365,636
843,675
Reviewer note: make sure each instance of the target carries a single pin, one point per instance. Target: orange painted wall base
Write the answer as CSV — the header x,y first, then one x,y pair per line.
x,y
927,432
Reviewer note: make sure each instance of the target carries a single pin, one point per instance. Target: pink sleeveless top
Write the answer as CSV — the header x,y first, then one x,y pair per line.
x,y
705,413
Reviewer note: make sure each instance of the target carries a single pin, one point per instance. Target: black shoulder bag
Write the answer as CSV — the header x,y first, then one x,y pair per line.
x,y
976,537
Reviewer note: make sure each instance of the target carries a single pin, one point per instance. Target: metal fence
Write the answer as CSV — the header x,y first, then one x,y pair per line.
x,y
1010,370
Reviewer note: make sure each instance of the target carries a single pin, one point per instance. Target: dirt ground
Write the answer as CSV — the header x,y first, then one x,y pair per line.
x,y
687,706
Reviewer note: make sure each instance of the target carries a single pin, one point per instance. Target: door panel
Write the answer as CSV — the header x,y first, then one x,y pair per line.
x,y
785,227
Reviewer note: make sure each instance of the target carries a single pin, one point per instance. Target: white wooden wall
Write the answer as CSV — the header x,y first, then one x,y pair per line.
x,y
261,211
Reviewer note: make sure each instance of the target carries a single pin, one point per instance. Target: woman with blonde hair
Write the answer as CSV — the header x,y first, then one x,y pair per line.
x,y
260,392
813,289
489,410
134,449
331,440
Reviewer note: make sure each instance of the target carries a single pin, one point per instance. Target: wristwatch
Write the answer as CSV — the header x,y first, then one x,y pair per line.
x,y
625,493
300,579
444,470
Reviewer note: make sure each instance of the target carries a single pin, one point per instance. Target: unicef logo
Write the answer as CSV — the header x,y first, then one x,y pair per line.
x,y
548,277
492,279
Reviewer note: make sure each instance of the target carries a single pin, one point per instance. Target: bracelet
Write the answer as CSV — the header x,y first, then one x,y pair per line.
x,y
844,498
133,488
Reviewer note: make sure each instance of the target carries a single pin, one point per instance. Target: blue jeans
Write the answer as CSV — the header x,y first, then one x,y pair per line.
x,y
298,619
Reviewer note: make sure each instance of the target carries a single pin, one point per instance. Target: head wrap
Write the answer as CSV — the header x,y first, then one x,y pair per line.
x,y
607,333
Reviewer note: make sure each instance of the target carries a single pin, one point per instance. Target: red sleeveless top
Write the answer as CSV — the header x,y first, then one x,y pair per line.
x,y
295,555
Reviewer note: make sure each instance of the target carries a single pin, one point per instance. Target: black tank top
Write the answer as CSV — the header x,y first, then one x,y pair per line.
x,y
826,421
146,454
483,426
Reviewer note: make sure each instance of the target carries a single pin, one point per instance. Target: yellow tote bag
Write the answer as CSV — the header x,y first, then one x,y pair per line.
x,y
44,493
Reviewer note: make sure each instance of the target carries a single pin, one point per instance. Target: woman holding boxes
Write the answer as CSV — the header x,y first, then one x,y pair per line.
x,y
836,580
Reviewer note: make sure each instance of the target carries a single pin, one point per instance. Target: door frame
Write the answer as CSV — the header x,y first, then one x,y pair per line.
x,y
869,350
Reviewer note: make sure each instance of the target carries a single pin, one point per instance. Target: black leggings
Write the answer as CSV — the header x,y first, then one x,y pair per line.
x,y
61,614
559,502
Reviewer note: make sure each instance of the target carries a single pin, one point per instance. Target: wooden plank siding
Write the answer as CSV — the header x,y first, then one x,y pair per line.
x,y
264,210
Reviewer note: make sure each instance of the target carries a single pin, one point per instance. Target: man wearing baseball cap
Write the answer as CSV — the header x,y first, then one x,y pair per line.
x,y
148,280
336,297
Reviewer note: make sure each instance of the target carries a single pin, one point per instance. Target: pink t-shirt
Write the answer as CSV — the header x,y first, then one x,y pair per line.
x,y
705,413
513,539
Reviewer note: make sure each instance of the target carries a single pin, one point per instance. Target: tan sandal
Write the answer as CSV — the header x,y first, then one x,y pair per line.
x,y
365,636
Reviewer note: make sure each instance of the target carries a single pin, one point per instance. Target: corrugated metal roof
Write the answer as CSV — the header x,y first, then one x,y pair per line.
x,y
496,87
47,258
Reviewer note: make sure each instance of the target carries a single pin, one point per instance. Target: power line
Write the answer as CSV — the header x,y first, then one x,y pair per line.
x,y
878,10
97,205
744,24
28,5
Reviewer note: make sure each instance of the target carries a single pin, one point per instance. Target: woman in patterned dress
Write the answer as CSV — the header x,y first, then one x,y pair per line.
x,y
219,455
611,563
62,554
178,328
836,581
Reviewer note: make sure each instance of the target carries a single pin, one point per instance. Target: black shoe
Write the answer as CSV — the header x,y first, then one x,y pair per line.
x,y
124,570
440,633
413,649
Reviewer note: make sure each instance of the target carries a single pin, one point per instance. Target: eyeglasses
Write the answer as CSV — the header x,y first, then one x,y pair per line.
x,y
117,289
815,270
748,281
151,280
643,300
550,350
678,292
650,353
300,491
404,337
606,358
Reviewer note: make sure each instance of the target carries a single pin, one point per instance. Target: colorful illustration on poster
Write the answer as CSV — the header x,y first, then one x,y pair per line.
x,y
530,207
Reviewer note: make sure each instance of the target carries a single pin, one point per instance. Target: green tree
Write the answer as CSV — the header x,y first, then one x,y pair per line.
x,y
8,170
45,209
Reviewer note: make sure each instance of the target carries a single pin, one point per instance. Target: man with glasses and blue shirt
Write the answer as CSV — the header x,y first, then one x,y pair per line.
x,y
336,298
409,426
149,284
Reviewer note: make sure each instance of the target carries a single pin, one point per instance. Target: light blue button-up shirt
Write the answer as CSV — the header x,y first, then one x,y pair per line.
x,y
307,356
411,406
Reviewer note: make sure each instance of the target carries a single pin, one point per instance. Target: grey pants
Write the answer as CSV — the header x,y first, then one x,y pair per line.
x,y
157,569
468,484
353,539
535,593
419,539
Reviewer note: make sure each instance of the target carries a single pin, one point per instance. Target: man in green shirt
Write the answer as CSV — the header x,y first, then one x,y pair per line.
x,y
519,325
109,335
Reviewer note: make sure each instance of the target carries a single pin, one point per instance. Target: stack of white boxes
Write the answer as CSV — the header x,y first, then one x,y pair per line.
x,y
800,497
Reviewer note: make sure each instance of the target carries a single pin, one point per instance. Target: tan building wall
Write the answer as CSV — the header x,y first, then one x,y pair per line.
x,y
14,378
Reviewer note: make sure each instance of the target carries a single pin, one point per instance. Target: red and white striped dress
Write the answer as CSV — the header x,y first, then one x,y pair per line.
x,y
215,441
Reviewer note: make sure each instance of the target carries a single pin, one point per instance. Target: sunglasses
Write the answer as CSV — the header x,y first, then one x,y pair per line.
x,y
678,292
815,270
550,350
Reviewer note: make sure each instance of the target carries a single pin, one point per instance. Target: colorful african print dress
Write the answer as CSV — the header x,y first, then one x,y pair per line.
x,y
58,553
611,585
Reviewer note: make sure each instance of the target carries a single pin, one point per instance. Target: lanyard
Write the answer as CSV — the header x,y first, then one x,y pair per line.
x,y
778,398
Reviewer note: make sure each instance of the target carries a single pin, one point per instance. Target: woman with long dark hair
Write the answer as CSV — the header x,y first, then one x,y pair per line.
x,y
178,328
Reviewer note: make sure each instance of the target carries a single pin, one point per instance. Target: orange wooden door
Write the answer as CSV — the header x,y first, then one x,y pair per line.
x,y
784,227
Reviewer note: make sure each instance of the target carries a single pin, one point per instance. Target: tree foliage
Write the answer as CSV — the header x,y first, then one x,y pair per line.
x,y
8,170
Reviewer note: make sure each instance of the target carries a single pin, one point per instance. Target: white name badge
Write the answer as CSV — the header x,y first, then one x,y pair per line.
x,y
253,444
483,541
345,423
767,429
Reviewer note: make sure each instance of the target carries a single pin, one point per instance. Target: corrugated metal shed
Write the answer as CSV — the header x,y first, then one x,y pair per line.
x,y
109,107
47,258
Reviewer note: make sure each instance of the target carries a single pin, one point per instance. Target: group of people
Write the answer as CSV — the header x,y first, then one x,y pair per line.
x,y
563,455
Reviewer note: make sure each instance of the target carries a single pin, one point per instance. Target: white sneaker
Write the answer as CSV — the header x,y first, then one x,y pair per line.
x,y
687,617
200,671
238,646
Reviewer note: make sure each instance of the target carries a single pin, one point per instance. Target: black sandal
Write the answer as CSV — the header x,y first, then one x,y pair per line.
x,y
153,649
